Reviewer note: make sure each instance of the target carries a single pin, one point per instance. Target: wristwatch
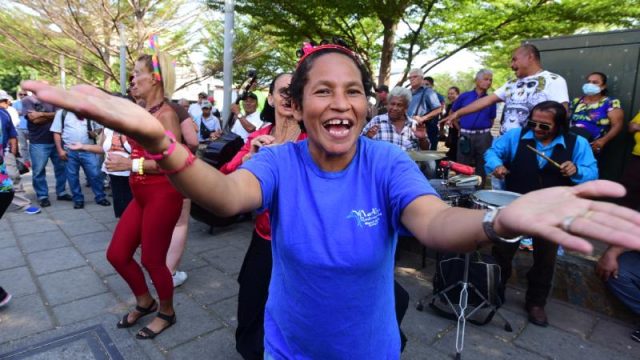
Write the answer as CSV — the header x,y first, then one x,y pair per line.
x,y
487,226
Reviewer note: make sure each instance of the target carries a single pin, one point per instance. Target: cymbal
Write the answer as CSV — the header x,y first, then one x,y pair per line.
x,y
426,155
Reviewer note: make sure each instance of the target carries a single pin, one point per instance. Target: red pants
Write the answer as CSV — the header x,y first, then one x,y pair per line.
x,y
148,222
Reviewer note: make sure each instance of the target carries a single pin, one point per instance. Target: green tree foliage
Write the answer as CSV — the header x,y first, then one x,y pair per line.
x,y
87,33
252,49
408,30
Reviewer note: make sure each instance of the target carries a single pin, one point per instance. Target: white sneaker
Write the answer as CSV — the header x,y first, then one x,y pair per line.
x,y
179,278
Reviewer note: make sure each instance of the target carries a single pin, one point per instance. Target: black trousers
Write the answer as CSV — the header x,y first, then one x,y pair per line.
x,y
5,200
539,276
254,278
121,193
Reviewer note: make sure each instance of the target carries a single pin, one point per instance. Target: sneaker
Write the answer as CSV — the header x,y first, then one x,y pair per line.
x,y
104,202
45,203
32,210
179,278
636,335
65,197
5,297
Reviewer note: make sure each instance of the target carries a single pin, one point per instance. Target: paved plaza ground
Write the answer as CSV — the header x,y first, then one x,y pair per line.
x,y
67,300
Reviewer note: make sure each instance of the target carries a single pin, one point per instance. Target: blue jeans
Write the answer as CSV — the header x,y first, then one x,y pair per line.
x,y
40,154
90,164
627,286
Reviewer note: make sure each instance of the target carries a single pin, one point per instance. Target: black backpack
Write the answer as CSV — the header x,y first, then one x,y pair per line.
x,y
484,275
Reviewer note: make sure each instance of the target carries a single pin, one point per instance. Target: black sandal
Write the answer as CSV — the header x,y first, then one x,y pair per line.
x,y
124,323
146,334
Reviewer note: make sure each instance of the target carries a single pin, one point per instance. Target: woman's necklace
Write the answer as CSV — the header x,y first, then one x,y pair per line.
x,y
155,108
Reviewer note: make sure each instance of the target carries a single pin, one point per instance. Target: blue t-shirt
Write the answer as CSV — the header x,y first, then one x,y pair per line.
x,y
479,120
333,238
8,130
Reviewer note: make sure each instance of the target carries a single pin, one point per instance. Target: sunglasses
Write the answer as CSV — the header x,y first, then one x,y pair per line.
x,y
22,94
533,124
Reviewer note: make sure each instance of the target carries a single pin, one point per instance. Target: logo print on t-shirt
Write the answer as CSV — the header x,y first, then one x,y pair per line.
x,y
364,218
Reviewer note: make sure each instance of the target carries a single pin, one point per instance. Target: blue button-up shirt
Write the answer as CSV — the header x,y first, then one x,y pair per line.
x,y
424,101
478,120
504,150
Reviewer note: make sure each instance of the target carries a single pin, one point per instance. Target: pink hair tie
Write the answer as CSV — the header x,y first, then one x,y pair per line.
x,y
166,153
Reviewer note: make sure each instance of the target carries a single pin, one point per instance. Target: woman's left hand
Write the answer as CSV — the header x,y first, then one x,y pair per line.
x,y
597,145
566,215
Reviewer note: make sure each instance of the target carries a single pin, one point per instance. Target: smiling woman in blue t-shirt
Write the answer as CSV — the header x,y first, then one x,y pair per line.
x,y
338,201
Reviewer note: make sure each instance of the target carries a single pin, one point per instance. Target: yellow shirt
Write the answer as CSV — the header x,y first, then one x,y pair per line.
x,y
636,136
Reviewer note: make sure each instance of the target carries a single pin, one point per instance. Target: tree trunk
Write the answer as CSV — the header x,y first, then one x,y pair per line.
x,y
388,45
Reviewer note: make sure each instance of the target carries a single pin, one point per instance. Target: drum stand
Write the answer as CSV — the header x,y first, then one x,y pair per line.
x,y
460,309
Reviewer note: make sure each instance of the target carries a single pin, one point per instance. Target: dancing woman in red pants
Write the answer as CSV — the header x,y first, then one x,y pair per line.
x,y
149,219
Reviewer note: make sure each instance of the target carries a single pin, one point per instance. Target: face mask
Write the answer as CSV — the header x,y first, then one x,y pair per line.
x,y
591,89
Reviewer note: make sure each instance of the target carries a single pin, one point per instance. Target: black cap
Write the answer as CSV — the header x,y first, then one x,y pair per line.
x,y
382,88
251,95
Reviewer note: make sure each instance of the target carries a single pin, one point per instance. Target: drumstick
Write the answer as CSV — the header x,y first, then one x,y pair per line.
x,y
544,156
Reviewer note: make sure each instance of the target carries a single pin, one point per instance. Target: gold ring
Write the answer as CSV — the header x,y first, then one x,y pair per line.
x,y
587,214
566,223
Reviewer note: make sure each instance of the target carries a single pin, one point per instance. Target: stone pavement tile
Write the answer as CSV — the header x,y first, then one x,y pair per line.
x,y
111,225
48,261
208,285
228,259
415,350
98,261
95,241
74,228
70,285
103,214
515,300
86,308
7,239
496,326
11,257
480,345
22,317
571,319
219,344
425,326
199,242
43,241
227,310
616,336
119,288
66,215
192,321
18,282
191,260
558,344
121,340
34,227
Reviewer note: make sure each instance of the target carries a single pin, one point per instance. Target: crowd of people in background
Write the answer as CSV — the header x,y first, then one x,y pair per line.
x,y
569,138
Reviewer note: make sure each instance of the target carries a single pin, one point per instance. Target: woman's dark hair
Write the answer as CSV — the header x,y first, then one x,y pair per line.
x,y
301,75
559,114
603,77
456,89
268,113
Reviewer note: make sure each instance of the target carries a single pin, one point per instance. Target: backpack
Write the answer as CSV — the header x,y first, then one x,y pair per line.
x,y
484,276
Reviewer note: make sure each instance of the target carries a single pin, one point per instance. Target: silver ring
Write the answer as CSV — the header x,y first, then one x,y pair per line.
x,y
566,223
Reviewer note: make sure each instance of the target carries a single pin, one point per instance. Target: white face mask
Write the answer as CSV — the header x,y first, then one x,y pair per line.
x,y
591,89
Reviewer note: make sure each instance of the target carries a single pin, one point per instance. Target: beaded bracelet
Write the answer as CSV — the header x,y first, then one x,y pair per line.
x,y
188,162
141,166
166,153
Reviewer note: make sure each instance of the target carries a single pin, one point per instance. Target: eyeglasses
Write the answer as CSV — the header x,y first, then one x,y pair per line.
x,y
22,94
534,124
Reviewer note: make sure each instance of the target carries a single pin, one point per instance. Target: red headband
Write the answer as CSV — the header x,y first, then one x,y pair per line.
x,y
308,49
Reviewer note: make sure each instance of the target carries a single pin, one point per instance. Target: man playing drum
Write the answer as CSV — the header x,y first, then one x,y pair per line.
x,y
541,155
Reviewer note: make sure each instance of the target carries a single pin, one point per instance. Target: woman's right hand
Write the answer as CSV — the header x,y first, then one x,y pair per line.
x,y
116,162
113,112
260,141
75,146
